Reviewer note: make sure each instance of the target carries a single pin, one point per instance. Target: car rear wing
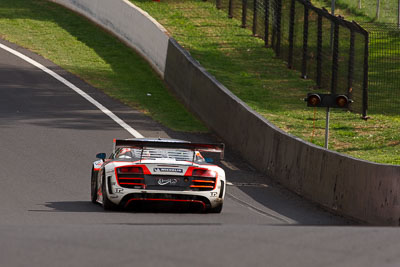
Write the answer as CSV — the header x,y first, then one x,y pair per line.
x,y
141,143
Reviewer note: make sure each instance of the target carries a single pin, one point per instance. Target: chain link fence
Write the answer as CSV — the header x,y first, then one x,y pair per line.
x,y
340,56
328,49
384,68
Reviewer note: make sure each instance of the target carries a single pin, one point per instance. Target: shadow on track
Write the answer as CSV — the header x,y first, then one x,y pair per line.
x,y
69,206
87,206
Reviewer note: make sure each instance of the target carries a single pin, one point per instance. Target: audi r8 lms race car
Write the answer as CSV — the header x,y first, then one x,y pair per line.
x,y
158,171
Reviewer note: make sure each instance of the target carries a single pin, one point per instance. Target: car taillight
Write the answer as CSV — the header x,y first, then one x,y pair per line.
x,y
204,173
133,170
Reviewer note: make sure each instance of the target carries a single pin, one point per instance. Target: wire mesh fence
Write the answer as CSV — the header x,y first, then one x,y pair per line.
x,y
382,11
328,49
384,68
340,56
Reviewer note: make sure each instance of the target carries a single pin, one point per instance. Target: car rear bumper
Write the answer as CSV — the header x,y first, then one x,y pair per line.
x,y
132,199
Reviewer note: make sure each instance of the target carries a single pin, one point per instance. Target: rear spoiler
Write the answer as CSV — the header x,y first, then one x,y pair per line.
x,y
203,147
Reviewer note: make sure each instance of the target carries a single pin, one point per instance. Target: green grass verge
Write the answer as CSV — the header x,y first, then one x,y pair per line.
x,y
253,73
83,49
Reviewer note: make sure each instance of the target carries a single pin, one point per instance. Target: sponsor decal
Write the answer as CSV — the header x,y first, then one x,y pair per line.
x,y
214,194
98,163
167,181
168,170
119,190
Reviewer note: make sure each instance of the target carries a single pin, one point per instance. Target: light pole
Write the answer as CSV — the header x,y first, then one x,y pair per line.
x,y
328,101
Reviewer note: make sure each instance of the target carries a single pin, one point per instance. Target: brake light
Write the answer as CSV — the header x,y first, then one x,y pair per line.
x,y
133,170
204,173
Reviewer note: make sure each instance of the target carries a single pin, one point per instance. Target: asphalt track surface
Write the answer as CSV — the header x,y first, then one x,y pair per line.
x,y
48,137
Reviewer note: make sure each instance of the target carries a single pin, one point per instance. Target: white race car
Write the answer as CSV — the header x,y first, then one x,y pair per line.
x,y
158,170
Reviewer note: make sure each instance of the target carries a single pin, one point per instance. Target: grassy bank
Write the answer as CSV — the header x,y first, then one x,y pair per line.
x,y
253,73
80,47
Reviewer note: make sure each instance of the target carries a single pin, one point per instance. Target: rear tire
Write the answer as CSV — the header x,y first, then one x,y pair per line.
x,y
216,209
93,187
107,204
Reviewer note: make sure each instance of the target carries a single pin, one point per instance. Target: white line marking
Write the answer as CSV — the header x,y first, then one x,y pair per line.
x,y
76,89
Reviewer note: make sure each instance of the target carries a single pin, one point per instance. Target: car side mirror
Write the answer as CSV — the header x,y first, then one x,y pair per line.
x,y
209,160
101,156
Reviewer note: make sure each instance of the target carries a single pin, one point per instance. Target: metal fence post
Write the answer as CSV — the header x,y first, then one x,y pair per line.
x,y
319,51
291,29
398,14
335,57
244,13
266,22
305,44
365,81
274,22
278,27
350,75
230,11
255,18
218,4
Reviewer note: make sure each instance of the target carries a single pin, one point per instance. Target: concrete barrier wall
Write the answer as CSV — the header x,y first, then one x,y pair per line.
x,y
363,190
132,25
